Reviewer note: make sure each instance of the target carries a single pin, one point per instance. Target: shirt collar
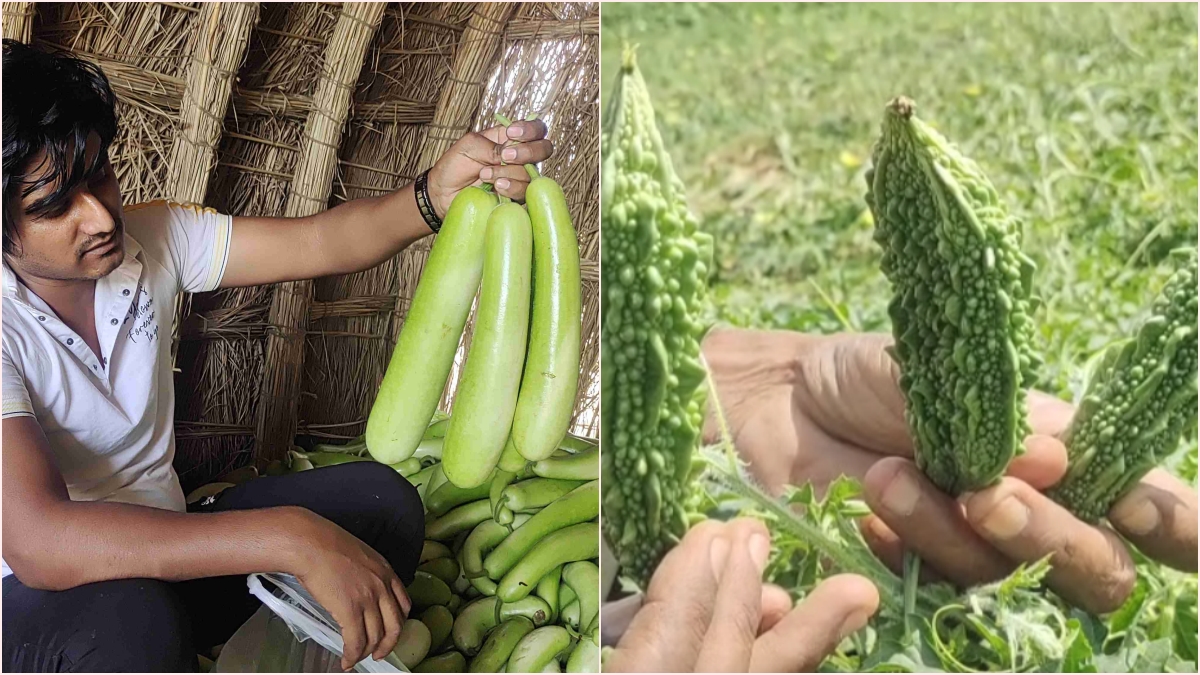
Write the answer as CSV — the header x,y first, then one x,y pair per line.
x,y
13,288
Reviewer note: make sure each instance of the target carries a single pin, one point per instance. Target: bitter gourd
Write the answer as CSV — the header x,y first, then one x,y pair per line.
x,y
654,272
961,306
1140,400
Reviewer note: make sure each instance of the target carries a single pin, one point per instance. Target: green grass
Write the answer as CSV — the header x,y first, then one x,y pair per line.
x,y
1083,115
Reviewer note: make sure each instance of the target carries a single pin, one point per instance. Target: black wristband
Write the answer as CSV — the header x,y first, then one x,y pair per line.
x,y
424,204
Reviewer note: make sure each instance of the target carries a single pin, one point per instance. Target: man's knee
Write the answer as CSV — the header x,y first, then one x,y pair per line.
x,y
381,484
399,506
134,625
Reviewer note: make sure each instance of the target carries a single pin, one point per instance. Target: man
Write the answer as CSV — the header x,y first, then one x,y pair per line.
x,y
810,408
104,570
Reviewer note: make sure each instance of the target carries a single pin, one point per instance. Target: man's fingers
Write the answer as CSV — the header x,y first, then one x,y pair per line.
x,y
837,607
1090,566
736,615
393,620
354,640
1159,516
401,595
776,603
527,130
890,549
510,180
667,633
930,523
1048,415
511,172
521,153
519,130
883,542
373,622
1043,463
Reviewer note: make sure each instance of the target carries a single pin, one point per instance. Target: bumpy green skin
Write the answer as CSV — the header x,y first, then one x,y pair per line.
x,y
653,273
1140,401
962,302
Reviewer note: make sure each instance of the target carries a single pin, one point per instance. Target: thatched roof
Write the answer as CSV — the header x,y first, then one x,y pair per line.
x,y
286,109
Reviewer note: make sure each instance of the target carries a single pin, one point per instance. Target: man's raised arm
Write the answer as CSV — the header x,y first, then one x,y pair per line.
x,y
362,233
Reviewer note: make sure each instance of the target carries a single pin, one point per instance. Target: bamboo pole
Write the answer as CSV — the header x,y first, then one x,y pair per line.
x,y
225,29
460,97
309,194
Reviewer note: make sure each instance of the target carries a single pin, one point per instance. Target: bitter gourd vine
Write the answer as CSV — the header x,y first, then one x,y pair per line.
x,y
961,306
653,272
1139,402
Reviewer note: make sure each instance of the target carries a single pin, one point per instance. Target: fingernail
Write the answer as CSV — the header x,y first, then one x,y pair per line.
x,y
880,529
901,495
760,550
508,154
964,499
502,183
1138,517
515,131
853,623
1006,519
719,552
486,174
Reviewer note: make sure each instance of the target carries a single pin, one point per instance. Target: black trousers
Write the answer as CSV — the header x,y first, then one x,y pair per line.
x,y
145,625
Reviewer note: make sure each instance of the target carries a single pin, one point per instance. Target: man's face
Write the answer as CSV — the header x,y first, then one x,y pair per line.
x,y
82,237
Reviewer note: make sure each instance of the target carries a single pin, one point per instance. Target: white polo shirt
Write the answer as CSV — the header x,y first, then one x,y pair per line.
x,y
110,417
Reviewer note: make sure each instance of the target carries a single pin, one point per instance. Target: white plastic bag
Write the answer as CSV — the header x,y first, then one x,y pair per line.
x,y
290,633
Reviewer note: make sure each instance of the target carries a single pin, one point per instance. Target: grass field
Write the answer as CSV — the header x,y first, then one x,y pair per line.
x,y
1084,116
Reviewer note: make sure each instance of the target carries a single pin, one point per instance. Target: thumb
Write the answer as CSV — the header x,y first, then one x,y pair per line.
x,y
837,607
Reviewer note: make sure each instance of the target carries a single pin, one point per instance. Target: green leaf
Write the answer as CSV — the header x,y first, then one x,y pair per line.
x,y
1080,651
896,652
1092,628
1127,614
1185,627
1142,657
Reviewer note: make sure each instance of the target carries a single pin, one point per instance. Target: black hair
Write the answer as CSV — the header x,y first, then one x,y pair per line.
x,y
52,102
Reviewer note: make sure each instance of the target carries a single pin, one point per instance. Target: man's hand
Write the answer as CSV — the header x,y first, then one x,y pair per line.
x,y
808,408
497,156
358,587
708,610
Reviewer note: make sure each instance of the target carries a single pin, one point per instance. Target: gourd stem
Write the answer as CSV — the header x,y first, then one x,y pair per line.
x,y
912,573
532,171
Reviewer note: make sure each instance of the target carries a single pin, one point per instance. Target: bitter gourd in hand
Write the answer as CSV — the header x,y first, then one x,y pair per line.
x,y
1139,402
961,306
654,272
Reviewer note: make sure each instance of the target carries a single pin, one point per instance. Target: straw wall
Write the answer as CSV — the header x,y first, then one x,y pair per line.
x,y
285,109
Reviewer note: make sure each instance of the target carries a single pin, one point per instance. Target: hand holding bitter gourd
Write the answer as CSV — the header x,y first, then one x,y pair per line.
x,y
961,318
653,271
1140,401
963,295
